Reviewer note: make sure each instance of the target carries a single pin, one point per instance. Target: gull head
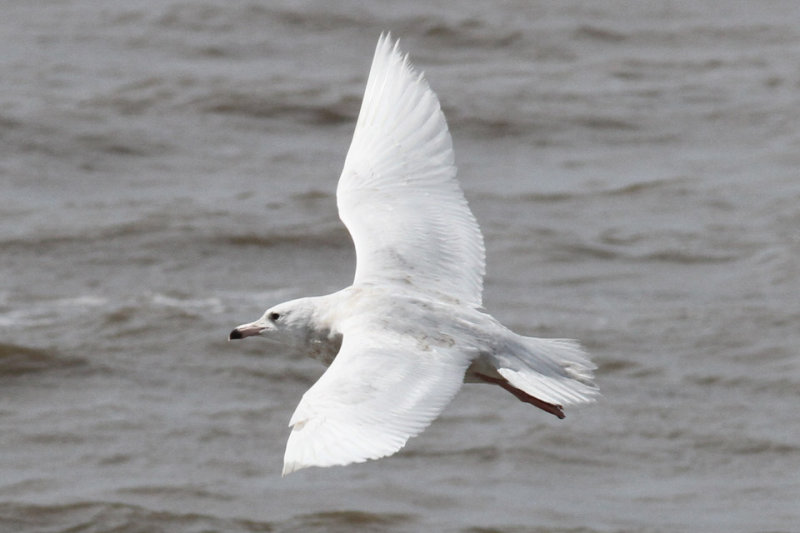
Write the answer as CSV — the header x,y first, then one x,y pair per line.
x,y
287,323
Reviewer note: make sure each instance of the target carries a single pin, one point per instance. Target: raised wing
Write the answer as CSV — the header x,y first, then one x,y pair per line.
x,y
398,195
383,388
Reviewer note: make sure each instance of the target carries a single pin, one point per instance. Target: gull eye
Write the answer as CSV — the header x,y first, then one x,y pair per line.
x,y
274,316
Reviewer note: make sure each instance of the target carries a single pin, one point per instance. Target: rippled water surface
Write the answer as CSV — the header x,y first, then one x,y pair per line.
x,y
168,171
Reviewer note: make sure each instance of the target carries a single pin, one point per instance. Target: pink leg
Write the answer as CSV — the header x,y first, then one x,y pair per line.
x,y
522,396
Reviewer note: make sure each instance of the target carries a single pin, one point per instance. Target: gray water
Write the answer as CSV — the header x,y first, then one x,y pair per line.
x,y
168,170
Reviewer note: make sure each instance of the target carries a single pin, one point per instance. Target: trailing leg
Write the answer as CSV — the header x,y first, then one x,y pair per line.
x,y
523,396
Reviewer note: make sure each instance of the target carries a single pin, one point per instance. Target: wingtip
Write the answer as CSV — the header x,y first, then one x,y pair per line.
x,y
386,37
390,44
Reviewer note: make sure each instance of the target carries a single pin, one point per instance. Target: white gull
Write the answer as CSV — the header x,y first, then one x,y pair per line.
x,y
411,328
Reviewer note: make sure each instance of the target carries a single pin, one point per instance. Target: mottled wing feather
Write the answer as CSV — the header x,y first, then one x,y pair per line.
x,y
383,388
398,195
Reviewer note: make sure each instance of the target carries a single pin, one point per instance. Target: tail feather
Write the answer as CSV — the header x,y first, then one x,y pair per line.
x,y
556,371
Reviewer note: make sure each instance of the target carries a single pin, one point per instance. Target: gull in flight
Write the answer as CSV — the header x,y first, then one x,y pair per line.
x,y
411,328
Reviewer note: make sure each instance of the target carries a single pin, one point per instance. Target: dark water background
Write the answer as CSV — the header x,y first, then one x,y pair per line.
x,y
167,171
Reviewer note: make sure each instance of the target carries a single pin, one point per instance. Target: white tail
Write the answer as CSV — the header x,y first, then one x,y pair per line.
x,y
556,371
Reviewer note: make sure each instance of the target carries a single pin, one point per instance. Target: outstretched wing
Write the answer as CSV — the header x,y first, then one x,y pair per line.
x,y
383,388
398,195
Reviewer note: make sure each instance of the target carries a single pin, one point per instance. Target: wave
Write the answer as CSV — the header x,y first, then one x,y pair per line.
x,y
174,492
268,375
309,107
118,517
683,257
59,139
546,129
161,229
596,33
459,31
186,302
473,454
753,383
17,360
744,445
468,32
141,314
299,237
232,17
674,185
575,251
315,105
347,520
129,518
64,236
